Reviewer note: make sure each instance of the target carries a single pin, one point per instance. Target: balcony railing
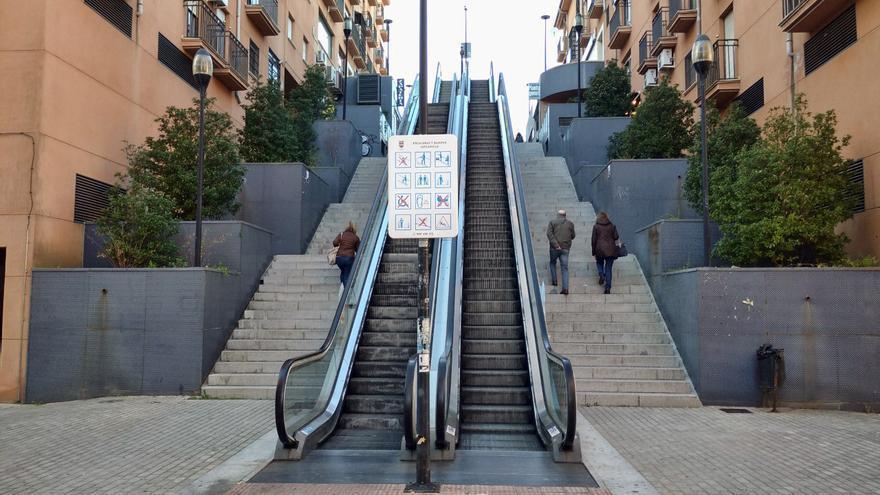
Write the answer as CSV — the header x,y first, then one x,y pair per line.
x,y
789,6
620,24
807,16
676,5
682,14
238,56
725,66
337,10
380,14
660,32
379,56
595,8
204,24
646,60
264,14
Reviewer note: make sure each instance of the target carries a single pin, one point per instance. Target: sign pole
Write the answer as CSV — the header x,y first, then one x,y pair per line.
x,y
423,482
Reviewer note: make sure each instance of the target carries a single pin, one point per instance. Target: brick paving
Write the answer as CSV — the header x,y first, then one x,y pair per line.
x,y
121,445
298,489
690,451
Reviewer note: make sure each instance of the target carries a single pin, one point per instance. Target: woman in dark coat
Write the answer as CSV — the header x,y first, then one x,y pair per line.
x,y
604,248
348,243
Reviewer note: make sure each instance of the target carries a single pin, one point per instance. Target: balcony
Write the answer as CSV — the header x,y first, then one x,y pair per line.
x,y
372,3
386,2
356,48
334,79
660,34
561,48
380,14
379,56
722,82
370,35
806,16
355,2
620,26
594,10
234,74
682,15
383,33
264,15
646,60
336,9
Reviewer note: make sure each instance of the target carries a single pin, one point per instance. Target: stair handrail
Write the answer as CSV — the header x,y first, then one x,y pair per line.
x,y
493,96
312,428
438,80
557,425
447,376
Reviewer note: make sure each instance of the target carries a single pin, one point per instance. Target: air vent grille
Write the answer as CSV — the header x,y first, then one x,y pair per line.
x,y
831,40
752,99
116,12
176,60
90,200
368,89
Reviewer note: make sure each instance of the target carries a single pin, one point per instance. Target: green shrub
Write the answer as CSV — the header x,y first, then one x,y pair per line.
x,y
268,134
609,93
660,127
309,102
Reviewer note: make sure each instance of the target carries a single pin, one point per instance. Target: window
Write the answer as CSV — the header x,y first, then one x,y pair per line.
x,y
116,12
274,71
290,28
305,50
254,60
91,198
324,38
690,74
176,60
830,40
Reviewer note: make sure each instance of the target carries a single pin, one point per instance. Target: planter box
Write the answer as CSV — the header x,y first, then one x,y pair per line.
x,y
99,332
826,319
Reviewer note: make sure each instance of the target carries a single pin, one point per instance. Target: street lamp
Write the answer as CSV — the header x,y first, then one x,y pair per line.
x,y
203,69
464,51
579,27
347,31
388,43
703,57
545,17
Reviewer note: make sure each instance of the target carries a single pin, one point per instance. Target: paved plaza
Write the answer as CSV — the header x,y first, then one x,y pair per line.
x,y
163,444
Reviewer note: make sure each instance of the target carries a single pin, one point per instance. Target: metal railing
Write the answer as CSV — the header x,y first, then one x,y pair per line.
x,y
725,66
238,56
676,5
552,376
660,25
645,49
380,13
204,24
789,6
621,16
270,7
358,39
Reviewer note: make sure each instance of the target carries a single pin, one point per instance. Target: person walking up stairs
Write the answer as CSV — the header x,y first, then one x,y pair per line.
x,y
292,310
618,343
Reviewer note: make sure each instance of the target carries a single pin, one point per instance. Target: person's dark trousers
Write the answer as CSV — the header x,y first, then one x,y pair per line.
x,y
344,263
562,256
604,266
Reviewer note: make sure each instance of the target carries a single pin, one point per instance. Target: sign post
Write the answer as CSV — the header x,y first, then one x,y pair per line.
x,y
423,205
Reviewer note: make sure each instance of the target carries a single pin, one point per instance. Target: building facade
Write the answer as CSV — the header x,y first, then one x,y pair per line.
x,y
81,78
766,51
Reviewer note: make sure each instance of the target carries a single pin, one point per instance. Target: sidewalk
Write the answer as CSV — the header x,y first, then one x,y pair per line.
x,y
691,451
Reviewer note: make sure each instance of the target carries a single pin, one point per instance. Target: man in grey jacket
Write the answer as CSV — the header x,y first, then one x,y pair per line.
x,y
560,233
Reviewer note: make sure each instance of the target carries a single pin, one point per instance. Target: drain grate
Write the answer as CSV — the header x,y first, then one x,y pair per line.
x,y
734,410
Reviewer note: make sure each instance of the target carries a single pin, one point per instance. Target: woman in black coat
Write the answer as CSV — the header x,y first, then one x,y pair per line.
x,y
604,248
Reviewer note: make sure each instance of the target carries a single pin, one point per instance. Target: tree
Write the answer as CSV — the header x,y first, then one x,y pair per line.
x,y
609,93
725,139
268,133
660,127
139,229
167,163
789,192
309,102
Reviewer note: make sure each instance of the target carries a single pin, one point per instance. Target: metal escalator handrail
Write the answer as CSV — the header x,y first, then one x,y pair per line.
x,y
372,223
493,96
438,80
446,412
536,301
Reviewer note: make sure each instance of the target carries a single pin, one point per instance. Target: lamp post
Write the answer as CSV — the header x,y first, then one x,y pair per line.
x,y
464,46
579,27
545,17
388,43
347,31
703,57
203,69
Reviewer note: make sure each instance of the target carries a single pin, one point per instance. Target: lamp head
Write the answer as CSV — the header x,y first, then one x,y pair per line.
x,y
388,22
545,17
202,67
579,22
702,55
347,26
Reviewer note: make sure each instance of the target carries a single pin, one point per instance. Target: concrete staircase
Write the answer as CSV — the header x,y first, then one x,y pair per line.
x,y
292,310
618,343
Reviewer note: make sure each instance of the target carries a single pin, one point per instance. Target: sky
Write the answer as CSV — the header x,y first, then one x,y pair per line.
x,y
512,38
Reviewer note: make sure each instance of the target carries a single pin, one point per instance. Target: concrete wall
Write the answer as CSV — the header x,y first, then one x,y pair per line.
x,y
668,245
339,152
286,198
827,320
560,82
553,139
98,332
636,193
585,146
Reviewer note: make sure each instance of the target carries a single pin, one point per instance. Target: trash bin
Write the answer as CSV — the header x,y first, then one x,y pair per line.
x,y
771,366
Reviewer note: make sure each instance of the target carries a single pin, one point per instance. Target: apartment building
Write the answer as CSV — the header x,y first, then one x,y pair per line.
x,y
765,52
81,78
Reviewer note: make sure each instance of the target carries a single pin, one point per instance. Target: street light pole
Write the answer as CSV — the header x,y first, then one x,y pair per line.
x,y
388,44
545,17
703,57
579,27
347,31
203,69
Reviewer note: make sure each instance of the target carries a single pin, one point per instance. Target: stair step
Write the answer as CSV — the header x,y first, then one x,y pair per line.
x,y
492,414
494,378
496,395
